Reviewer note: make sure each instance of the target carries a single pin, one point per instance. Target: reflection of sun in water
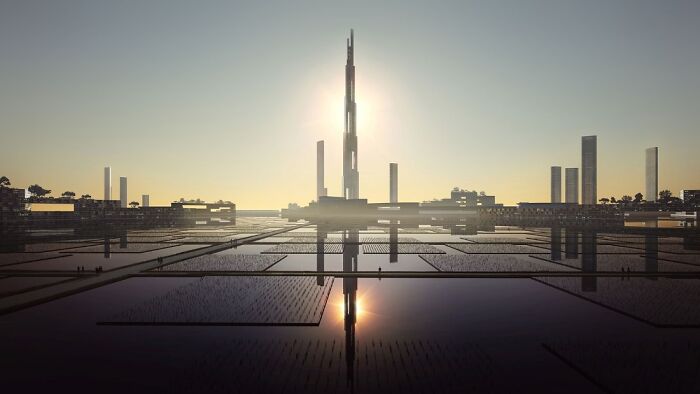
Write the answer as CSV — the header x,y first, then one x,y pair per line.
x,y
359,308
362,313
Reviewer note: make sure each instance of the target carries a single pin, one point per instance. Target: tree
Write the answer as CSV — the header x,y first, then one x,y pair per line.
x,y
626,199
604,200
38,191
86,197
68,194
134,204
4,181
665,195
613,200
638,197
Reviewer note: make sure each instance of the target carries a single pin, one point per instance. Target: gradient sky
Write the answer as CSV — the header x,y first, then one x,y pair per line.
x,y
227,100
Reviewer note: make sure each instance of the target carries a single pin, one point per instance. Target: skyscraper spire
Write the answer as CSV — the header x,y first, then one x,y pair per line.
x,y
351,177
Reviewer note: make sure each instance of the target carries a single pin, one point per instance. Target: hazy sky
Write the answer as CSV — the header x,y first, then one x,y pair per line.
x,y
227,100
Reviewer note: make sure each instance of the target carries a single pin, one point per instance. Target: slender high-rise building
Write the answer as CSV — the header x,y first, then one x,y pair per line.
x,y
108,183
320,188
145,200
556,184
652,174
124,202
571,188
589,170
351,177
393,182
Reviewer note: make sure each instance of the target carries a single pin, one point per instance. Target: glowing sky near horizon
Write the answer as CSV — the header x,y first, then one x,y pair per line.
x,y
226,100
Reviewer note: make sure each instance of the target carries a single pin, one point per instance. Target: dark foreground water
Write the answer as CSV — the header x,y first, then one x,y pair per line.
x,y
527,310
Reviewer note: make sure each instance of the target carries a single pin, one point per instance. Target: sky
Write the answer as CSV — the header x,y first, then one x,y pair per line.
x,y
226,100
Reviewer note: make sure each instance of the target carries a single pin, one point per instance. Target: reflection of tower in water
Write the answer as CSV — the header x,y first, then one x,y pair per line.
x,y
351,249
589,259
321,234
555,243
393,242
107,247
571,246
651,253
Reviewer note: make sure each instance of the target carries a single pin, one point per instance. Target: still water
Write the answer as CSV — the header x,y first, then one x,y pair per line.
x,y
497,310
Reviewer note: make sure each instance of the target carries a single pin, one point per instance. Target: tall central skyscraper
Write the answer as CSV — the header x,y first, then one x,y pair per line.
x,y
589,170
351,177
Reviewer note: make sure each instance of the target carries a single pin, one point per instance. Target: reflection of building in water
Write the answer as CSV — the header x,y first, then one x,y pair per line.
x,y
555,246
351,249
651,253
692,241
107,250
321,234
589,259
393,242
571,246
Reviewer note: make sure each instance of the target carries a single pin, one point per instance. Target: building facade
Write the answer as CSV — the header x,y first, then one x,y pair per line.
x,y
589,170
393,182
351,175
688,195
555,184
320,172
571,185
652,174
123,195
108,183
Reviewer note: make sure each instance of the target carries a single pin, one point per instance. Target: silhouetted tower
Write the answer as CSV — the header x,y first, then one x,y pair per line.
x,y
320,184
108,183
571,188
351,177
589,170
556,184
123,196
393,182
652,174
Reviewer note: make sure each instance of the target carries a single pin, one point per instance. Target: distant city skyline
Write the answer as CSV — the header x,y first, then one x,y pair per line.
x,y
226,101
